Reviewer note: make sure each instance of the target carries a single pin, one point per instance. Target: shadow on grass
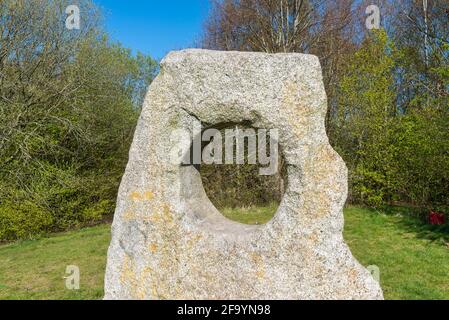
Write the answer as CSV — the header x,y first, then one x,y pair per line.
x,y
414,220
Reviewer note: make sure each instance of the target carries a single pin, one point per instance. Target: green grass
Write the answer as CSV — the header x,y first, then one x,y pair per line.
x,y
413,258
251,215
36,269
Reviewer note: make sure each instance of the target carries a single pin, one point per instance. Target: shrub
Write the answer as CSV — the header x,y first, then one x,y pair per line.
x,y
24,220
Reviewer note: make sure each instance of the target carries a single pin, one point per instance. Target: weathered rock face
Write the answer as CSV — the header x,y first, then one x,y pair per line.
x,y
170,242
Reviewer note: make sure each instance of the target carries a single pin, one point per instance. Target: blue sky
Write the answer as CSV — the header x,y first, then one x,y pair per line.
x,y
155,27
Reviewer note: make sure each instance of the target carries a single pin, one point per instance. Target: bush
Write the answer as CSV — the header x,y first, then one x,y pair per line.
x,y
24,220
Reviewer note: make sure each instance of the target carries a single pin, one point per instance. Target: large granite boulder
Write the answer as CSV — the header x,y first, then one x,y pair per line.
x,y
170,242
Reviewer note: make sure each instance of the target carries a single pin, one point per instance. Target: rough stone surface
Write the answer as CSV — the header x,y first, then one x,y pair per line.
x,y
170,242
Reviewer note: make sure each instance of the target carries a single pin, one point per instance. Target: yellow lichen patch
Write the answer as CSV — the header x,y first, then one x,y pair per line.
x,y
154,291
313,237
193,240
260,274
148,195
136,196
353,275
133,280
152,247
162,215
128,216
155,218
127,275
297,113
256,258
167,214
258,261
317,205
140,293
139,196
321,166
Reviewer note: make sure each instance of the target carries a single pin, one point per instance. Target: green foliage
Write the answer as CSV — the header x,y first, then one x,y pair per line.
x,y
241,185
23,220
365,117
422,167
394,151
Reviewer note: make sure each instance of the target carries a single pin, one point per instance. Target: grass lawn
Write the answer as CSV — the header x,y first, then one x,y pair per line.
x,y
413,258
251,215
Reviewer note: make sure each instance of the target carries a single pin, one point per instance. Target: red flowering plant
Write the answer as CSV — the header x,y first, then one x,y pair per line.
x,y
437,217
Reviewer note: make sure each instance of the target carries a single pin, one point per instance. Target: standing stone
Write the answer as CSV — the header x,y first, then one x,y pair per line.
x,y
170,242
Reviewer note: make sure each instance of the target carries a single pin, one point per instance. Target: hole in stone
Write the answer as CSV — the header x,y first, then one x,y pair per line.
x,y
239,190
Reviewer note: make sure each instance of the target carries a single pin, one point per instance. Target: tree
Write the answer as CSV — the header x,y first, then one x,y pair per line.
x,y
366,113
69,101
421,31
273,25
